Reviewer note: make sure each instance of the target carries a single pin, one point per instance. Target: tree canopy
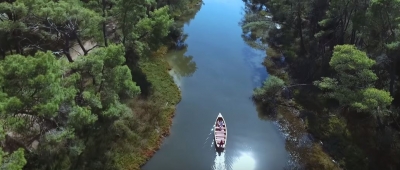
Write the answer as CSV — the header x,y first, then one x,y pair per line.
x,y
354,83
350,51
66,81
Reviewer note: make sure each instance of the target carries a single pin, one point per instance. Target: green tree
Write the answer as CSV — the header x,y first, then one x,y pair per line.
x,y
33,90
13,161
103,80
35,102
140,28
383,35
59,103
37,23
353,83
270,88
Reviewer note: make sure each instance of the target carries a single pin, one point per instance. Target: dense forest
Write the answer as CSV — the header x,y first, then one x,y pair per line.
x,y
84,83
337,63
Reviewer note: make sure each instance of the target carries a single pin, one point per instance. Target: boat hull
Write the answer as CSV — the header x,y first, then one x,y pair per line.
x,y
220,132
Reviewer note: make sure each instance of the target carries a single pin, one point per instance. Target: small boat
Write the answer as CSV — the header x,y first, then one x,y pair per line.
x,y
220,132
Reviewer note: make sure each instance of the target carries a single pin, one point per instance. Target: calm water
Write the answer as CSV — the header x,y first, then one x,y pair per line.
x,y
217,73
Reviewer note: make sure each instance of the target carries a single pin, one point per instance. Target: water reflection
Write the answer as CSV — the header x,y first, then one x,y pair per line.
x,y
255,58
255,26
183,65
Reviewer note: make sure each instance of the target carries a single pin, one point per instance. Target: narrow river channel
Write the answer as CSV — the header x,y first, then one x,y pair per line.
x,y
221,79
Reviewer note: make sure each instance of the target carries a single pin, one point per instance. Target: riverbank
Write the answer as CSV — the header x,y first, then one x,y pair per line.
x,y
305,151
155,108
94,116
319,133
318,89
285,109
152,111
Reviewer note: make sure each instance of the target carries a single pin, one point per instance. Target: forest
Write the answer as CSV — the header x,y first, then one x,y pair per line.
x,y
84,83
336,62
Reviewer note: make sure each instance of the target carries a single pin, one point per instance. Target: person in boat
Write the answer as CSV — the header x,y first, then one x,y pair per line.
x,y
221,123
221,143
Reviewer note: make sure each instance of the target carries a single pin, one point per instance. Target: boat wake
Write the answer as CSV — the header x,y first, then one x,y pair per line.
x,y
210,136
219,161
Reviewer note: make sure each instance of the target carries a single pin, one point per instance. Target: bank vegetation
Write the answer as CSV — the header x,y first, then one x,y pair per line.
x,y
334,66
85,83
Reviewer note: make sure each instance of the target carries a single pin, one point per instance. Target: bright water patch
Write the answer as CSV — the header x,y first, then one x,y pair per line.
x,y
244,162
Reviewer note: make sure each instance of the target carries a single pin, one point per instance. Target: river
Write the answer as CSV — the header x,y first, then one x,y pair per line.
x,y
220,77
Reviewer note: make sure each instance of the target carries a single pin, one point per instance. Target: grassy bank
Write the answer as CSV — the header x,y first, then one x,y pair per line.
x,y
152,114
154,109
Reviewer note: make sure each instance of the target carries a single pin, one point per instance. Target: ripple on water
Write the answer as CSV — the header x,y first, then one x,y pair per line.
x,y
210,136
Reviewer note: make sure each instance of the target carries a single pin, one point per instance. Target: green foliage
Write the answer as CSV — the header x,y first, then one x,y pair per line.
x,y
47,25
163,86
317,159
362,79
151,118
33,86
271,86
338,141
271,53
37,86
81,113
66,12
374,99
141,29
14,161
353,86
110,77
158,26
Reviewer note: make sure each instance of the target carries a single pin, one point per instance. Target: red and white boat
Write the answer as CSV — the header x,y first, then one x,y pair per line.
x,y
220,132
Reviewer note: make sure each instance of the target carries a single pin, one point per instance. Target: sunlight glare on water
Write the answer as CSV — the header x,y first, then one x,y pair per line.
x,y
244,162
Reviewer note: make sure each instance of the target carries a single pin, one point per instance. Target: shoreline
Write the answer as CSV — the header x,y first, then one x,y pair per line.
x,y
153,113
171,103
304,149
